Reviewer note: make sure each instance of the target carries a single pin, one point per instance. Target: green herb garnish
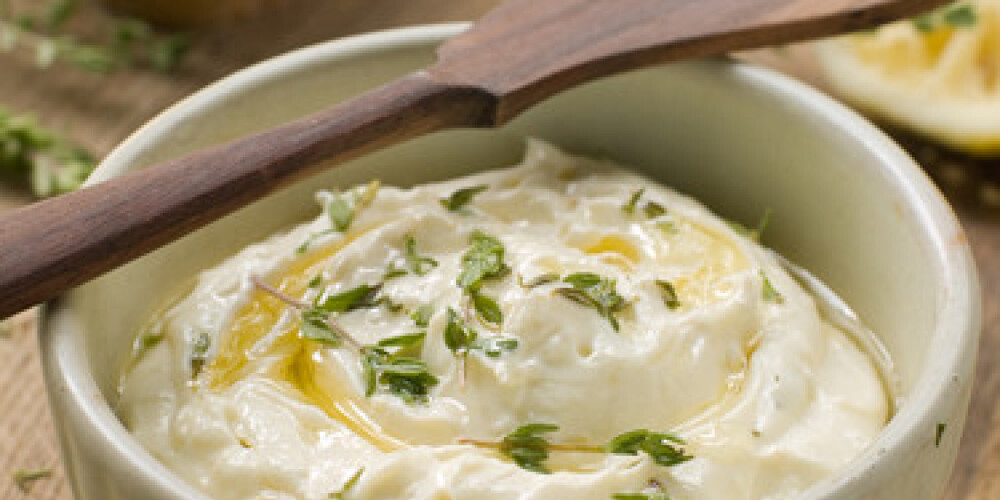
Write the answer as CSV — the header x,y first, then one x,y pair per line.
x,y
594,291
49,163
391,271
406,377
538,280
304,247
633,201
494,347
756,233
348,485
340,211
938,434
484,260
457,336
956,16
316,281
487,308
349,300
669,294
459,199
422,315
527,448
661,447
24,478
417,264
315,326
770,293
653,209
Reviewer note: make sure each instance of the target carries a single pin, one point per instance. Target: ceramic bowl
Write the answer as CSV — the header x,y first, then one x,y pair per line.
x,y
848,204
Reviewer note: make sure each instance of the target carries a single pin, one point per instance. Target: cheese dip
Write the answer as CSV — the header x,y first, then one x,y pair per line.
x,y
563,328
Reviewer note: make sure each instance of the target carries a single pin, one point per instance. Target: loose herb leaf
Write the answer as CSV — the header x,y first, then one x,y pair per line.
x,y
24,478
633,201
938,434
349,300
668,226
304,247
422,315
393,272
661,447
459,199
594,291
403,376
960,16
316,281
315,327
539,280
348,485
669,294
340,211
640,496
770,293
654,209
457,336
494,347
487,308
391,305
755,233
484,260
527,447
417,264
407,340
199,353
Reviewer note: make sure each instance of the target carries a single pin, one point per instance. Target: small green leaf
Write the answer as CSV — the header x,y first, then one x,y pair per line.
x,y
24,478
457,336
770,293
483,260
633,201
422,315
340,212
304,247
488,309
348,485
669,294
960,16
494,347
459,199
594,291
661,447
938,434
539,280
417,264
527,447
627,443
349,300
315,327
654,210
407,340
393,272
316,281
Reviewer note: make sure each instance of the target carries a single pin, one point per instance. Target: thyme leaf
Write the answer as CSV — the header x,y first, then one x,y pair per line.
x,y
669,294
315,327
199,353
596,292
538,280
421,316
487,308
340,211
457,336
653,209
348,300
527,448
459,199
770,293
348,485
24,478
417,264
633,201
483,260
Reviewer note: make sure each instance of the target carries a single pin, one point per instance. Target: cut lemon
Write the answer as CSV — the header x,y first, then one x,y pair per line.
x,y
938,74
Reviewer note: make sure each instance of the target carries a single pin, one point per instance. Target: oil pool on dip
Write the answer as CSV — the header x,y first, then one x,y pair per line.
x,y
560,329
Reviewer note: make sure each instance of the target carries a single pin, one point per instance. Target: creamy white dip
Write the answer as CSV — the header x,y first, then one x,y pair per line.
x,y
768,397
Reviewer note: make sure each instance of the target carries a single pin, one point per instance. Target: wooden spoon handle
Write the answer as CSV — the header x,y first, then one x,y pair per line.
x,y
51,246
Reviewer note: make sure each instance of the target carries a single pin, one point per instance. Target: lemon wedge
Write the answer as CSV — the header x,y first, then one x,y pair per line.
x,y
938,74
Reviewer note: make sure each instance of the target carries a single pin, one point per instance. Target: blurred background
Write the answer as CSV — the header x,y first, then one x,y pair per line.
x,y
77,76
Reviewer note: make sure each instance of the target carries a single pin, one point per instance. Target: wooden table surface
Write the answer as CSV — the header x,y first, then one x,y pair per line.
x,y
99,111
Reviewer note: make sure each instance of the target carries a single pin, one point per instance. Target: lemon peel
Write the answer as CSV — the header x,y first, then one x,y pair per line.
x,y
935,76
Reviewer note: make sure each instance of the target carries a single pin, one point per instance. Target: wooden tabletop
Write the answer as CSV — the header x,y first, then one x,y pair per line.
x,y
100,111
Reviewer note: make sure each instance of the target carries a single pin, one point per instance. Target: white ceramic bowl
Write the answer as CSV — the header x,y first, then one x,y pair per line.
x,y
848,204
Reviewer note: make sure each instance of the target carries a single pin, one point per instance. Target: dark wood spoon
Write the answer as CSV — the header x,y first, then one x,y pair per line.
x,y
520,53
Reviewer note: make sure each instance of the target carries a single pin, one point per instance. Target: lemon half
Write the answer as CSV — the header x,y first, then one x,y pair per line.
x,y
938,75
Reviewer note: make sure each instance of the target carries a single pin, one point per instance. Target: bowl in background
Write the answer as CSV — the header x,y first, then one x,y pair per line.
x,y
848,204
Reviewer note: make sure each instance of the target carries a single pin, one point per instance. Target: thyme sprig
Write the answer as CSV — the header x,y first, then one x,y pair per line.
x,y
959,15
391,363
594,291
528,447
483,260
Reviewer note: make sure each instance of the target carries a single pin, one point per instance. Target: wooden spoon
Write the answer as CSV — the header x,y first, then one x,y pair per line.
x,y
520,53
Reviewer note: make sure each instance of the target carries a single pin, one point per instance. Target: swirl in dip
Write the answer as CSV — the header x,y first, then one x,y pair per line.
x,y
562,291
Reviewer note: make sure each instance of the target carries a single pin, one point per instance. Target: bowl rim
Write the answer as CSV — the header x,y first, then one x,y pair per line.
x,y
75,396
